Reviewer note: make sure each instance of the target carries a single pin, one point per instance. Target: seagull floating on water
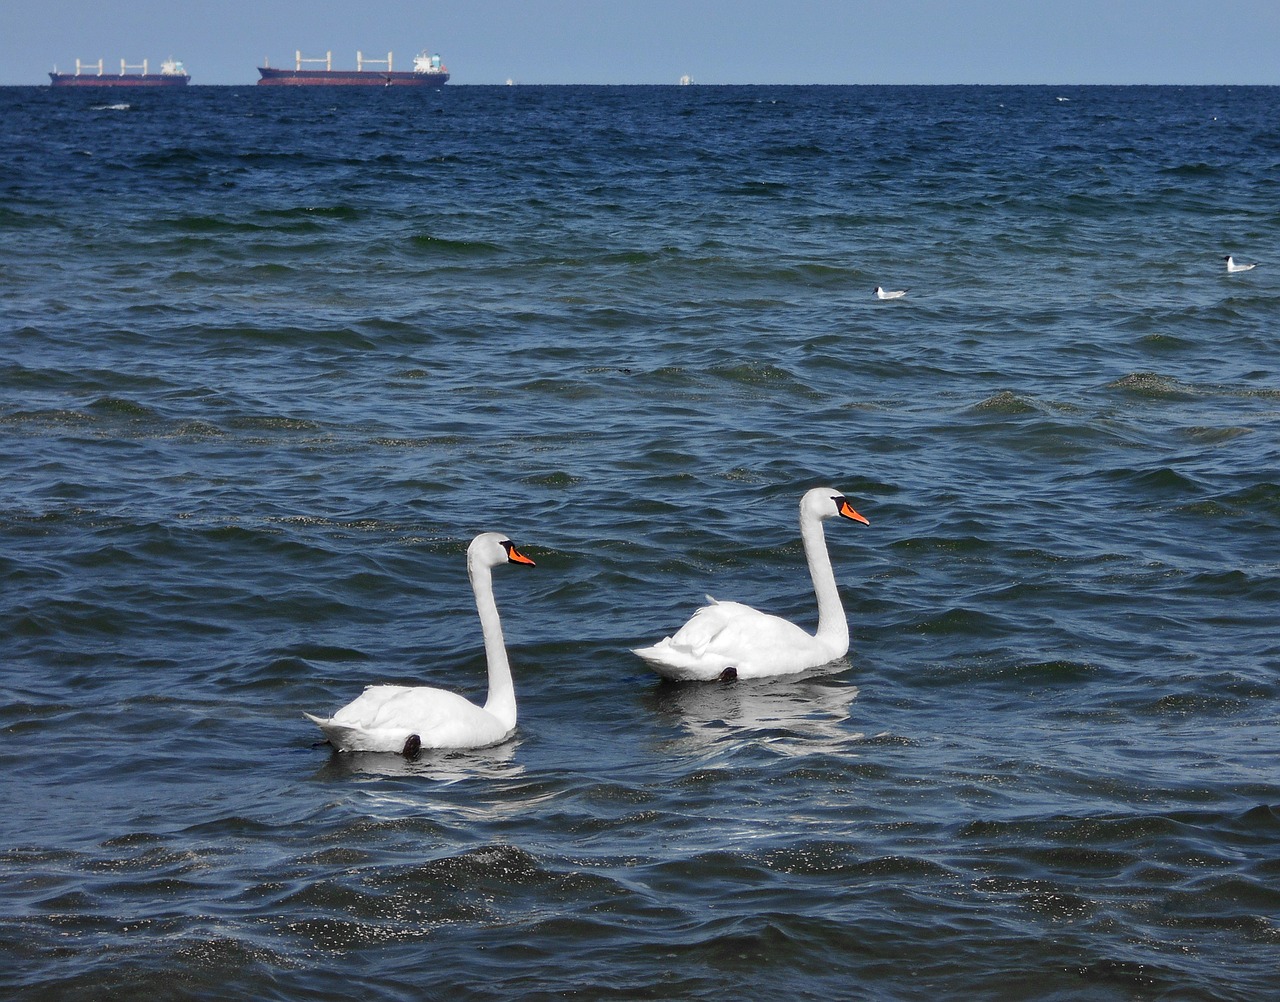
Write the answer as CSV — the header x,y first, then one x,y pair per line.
x,y
881,294
1233,267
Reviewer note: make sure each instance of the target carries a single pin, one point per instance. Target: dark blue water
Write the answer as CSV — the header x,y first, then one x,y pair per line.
x,y
268,361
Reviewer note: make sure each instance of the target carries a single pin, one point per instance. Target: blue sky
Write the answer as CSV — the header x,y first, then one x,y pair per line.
x,y
656,41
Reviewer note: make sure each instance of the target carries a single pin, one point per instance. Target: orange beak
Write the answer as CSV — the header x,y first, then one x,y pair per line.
x,y
514,556
846,511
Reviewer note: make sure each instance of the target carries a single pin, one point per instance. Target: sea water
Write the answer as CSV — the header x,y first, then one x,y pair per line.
x,y
269,359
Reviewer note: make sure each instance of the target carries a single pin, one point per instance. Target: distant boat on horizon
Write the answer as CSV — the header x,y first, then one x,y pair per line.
x,y
172,74
428,71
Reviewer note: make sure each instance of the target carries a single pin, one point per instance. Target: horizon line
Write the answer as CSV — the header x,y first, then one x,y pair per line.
x,y
695,84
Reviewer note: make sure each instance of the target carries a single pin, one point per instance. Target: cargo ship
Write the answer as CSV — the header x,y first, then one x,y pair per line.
x,y
171,74
428,71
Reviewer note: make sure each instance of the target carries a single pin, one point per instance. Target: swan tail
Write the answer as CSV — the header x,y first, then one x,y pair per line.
x,y
679,663
341,736
654,653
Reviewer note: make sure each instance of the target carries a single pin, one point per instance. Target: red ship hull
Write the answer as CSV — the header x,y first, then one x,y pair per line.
x,y
272,77
118,80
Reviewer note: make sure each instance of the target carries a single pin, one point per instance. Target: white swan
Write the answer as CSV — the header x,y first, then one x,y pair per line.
x,y
882,294
404,719
727,640
1233,266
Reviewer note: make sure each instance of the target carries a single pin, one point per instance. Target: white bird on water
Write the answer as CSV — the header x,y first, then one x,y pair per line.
x,y
881,294
1233,267
405,719
729,640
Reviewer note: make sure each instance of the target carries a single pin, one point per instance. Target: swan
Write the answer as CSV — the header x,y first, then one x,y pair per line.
x,y
405,719
728,640
881,294
1233,266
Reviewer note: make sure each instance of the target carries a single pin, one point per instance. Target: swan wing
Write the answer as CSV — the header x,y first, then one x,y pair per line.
x,y
732,635
709,622
383,716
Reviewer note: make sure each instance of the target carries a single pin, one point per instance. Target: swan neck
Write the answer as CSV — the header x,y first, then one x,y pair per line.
x,y
833,626
501,701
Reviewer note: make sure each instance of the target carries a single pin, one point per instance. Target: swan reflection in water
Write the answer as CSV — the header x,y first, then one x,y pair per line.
x,y
796,715
441,765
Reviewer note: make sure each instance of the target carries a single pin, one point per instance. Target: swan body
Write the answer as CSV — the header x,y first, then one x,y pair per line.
x,y
731,640
882,294
1233,266
404,719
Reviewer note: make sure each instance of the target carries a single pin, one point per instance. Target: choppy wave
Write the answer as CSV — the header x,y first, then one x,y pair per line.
x,y
264,385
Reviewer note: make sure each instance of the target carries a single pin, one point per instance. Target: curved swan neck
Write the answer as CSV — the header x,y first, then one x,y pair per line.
x,y
833,627
501,701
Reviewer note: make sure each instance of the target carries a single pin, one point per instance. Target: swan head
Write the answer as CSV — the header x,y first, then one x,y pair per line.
x,y
490,549
827,502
